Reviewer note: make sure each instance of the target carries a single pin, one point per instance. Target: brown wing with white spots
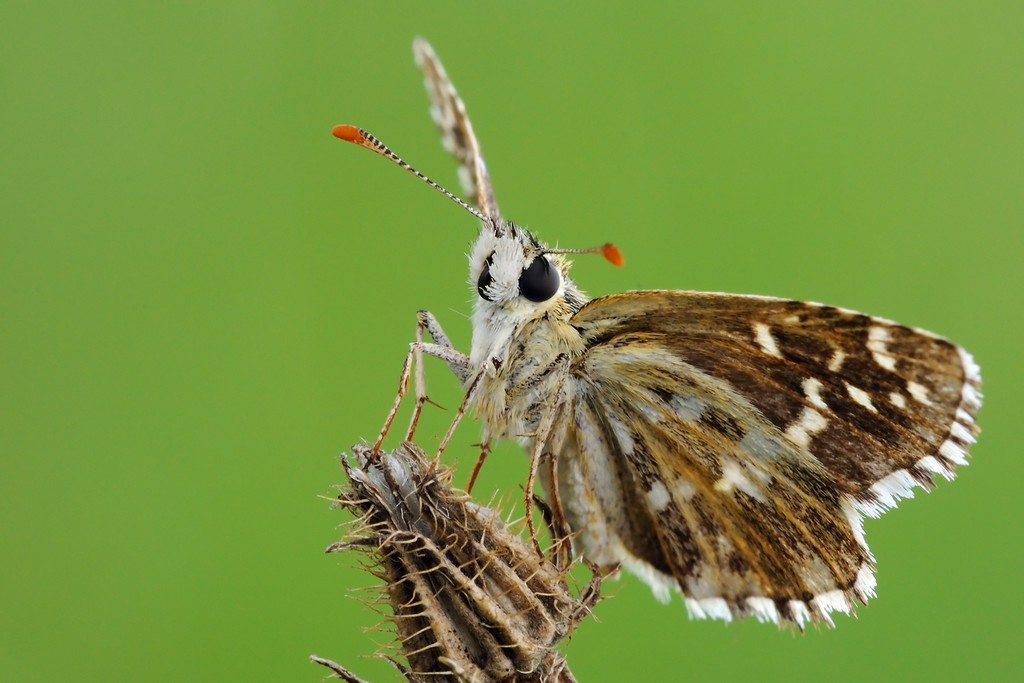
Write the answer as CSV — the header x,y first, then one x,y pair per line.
x,y
754,429
449,113
869,398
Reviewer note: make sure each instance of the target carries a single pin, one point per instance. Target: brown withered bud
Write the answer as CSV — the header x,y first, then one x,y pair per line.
x,y
470,599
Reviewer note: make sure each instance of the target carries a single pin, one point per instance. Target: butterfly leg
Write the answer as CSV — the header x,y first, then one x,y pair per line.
x,y
590,595
561,548
540,441
485,450
458,362
470,394
441,348
561,534
546,433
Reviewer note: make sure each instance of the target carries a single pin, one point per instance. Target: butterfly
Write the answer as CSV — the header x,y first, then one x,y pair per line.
x,y
725,447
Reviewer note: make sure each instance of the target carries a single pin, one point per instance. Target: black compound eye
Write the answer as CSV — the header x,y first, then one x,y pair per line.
x,y
485,280
539,281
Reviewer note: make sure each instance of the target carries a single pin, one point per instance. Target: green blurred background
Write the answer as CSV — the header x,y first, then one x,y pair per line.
x,y
205,298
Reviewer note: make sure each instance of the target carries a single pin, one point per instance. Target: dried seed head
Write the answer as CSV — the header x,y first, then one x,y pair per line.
x,y
471,601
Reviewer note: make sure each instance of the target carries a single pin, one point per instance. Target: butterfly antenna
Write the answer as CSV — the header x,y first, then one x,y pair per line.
x,y
358,136
610,252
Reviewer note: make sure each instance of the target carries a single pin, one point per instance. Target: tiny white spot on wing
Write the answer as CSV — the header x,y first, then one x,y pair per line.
x,y
919,393
877,333
878,338
684,490
763,337
812,390
836,361
761,445
806,426
622,435
734,477
860,397
898,399
658,497
466,178
688,407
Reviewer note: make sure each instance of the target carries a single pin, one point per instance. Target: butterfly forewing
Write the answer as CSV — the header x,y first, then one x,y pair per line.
x,y
755,430
449,113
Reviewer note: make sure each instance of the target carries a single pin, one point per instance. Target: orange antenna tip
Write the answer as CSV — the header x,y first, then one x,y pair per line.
x,y
348,133
612,254
358,136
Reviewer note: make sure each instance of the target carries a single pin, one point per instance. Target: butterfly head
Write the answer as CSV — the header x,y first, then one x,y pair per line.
x,y
514,274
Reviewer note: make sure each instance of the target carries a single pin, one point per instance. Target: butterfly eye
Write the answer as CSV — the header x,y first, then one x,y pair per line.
x,y
484,281
539,282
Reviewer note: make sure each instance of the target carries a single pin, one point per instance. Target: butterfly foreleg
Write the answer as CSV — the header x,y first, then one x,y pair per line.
x,y
442,349
425,321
